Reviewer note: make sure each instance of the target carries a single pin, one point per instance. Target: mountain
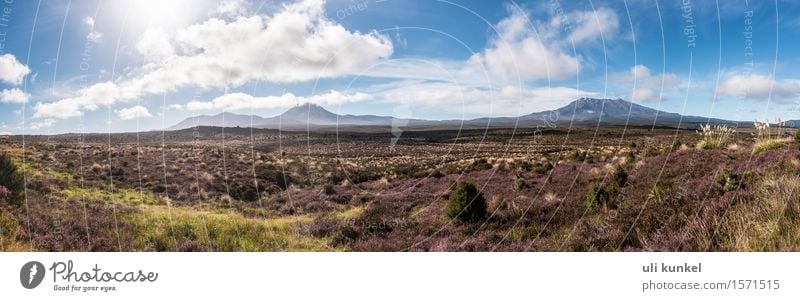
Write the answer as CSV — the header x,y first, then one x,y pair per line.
x,y
583,111
223,119
593,111
617,111
311,115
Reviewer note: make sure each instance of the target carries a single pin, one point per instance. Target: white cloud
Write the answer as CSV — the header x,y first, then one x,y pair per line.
x,y
41,124
14,95
645,86
11,70
154,45
759,87
586,26
88,20
506,101
133,113
298,43
177,107
232,8
94,37
240,101
643,95
528,50
5,134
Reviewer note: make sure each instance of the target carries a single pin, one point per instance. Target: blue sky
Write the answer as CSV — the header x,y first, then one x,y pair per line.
x,y
123,65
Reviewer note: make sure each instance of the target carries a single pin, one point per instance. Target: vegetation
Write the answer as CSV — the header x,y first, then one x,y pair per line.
x,y
597,197
11,183
714,136
466,203
311,191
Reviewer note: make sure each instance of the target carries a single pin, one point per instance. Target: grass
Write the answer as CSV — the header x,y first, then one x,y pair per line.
x,y
170,229
765,145
772,224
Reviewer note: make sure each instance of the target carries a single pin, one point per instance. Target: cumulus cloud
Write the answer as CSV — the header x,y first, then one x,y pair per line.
x,y
154,45
232,8
648,86
42,124
759,87
587,26
240,101
133,113
298,43
14,95
506,101
520,52
11,70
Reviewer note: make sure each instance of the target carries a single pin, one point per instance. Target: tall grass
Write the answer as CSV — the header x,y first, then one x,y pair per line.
x,y
771,224
765,140
714,136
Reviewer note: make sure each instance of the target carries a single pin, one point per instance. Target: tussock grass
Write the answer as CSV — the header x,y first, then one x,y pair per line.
x,y
771,224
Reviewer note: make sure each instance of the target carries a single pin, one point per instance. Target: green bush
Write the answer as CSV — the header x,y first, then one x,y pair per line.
x,y
519,184
466,203
797,136
12,180
597,197
619,177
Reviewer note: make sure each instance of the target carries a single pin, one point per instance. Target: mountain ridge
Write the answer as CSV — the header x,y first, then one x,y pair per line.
x,y
582,111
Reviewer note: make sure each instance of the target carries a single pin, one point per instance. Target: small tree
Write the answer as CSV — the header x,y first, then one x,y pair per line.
x,y
11,180
466,203
597,197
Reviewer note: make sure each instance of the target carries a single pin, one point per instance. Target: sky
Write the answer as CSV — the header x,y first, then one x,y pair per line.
x,y
136,65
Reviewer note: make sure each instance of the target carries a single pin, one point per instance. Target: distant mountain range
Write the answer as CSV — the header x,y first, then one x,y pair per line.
x,y
584,111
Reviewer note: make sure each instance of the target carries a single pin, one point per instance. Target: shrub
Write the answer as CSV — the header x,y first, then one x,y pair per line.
x,y
543,168
466,203
797,136
656,193
480,164
676,145
619,177
597,197
328,189
519,184
11,179
579,156
728,181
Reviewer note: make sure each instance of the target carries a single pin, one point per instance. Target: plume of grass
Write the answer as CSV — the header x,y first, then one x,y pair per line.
x,y
765,141
714,136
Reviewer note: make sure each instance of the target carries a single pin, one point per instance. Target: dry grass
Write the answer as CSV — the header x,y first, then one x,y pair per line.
x,y
772,224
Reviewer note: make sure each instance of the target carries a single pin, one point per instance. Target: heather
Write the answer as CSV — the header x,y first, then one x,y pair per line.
x,y
578,189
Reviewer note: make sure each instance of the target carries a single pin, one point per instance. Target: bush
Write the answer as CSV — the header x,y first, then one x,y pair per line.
x,y
728,181
597,197
328,189
619,177
542,168
466,203
797,136
11,179
519,184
